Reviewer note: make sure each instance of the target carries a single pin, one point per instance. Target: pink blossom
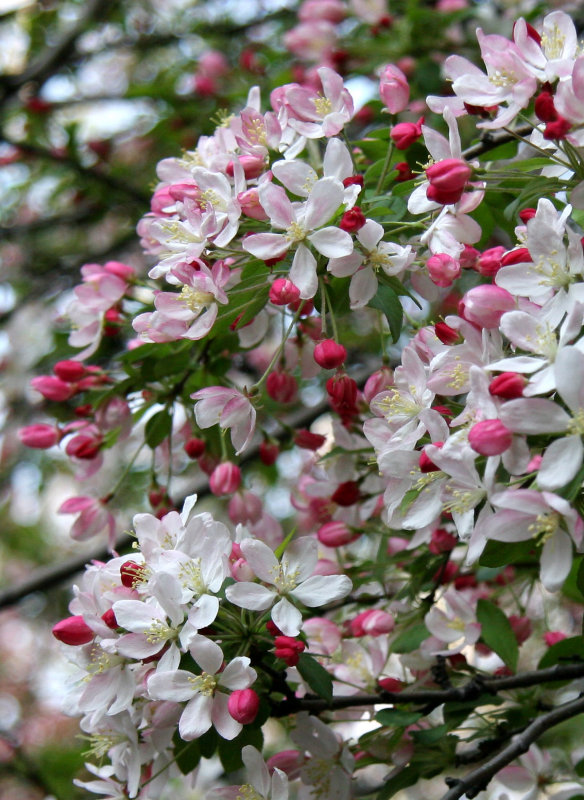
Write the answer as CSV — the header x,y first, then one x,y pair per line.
x,y
490,437
394,89
228,408
314,114
93,519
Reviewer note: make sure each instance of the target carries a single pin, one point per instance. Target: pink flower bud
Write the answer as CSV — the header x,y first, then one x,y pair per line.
x,y
253,166
443,269
346,494
73,630
553,637
131,573
522,628
245,508
404,171
405,134
69,371
520,255
243,705
558,129
241,570
448,179
194,448
225,479
544,107
490,261
269,452
394,89
442,542
39,436
469,257
376,383
85,445
289,761
336,534
425,462
283,291
390,684
53,388
490,437
120,270
288,649
508,385
213,62
353,180
308,440
250,204
324,566
446,334
526,214
373,622
328,354
352,220
282,387
485,305
109,618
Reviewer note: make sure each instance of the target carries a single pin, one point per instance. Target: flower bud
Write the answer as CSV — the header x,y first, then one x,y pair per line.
x,y
336,534
73,630
557,129
490,437
448,179
426,463
522,628
289,761
353,180
330,10
526,214
243,705
490,261
194,448
346,494
520,255
306,307
404,171
269,452
283,291
544,107
469,257
120,270
85,445
308,440
288,649
245,508
442,542
352,220
53,388
250,204
390,684
485,305
373,622
39,436
446,334
225,479
394,89
109,618
69,371
553,637
443,269
282,387
405,134
253,166
328,354
377,382
508,385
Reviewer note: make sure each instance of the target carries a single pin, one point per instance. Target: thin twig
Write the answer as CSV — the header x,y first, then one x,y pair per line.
x,y
478,779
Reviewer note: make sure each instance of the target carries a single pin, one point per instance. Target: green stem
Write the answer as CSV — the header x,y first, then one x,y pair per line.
x,y
124,474
277,354
331,311
385,169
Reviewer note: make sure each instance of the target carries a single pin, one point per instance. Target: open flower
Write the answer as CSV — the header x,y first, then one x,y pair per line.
x,y
288,578
227,408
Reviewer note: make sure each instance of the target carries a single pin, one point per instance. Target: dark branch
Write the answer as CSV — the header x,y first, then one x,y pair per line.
x,y
431,699
491,140
478,779
91,173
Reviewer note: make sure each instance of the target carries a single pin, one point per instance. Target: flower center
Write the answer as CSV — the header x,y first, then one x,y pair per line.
x,y
545,525
576,424
284,581
552,43
191,577
322,106
204,683
247,792
502,78
296,232
159,631
193,299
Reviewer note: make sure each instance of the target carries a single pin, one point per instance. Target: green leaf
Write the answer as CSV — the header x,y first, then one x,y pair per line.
x,y
503,151
404,778
387,301
410,639
571,649
430,735
230,751
497,633
500,554
395,718
316,676
579,768
158,427
281,548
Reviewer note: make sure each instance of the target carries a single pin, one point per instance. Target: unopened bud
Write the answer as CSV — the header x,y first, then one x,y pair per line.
x,y
490,437
243,705
73,630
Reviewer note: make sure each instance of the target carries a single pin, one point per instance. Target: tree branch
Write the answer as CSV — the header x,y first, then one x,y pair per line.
x,y
489,141
478,779
431,699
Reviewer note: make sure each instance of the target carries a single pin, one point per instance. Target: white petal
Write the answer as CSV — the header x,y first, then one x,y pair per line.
x,y
196,718
287,617
560,463
322,589
250,595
